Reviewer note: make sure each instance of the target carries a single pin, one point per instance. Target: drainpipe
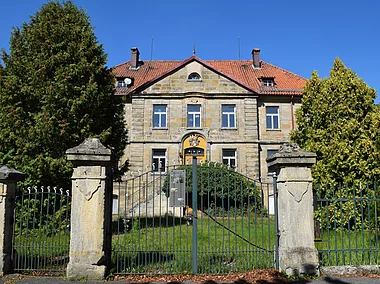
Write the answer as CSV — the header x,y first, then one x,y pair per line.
x,y
292,111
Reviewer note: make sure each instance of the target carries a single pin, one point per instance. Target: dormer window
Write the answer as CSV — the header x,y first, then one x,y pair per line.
x,y
121,82
194,77
268,82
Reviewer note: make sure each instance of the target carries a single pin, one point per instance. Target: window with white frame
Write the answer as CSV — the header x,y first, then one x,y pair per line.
x,y
121,82
159,116
193,116
158,159
268,82
115,204
229,157
228,116
272,117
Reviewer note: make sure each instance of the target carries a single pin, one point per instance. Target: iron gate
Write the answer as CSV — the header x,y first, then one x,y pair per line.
x,y
347,223
41,230
204,218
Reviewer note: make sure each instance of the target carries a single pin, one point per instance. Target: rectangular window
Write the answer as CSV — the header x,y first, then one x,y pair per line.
x,y
121,83
193,116
268,83
158,160
229,157
228,116
272,117
159,116
115,204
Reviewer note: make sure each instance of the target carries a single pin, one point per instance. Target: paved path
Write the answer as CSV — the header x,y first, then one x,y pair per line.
x,y
325,280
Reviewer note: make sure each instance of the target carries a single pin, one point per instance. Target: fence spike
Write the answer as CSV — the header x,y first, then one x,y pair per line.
x,y
61,191
29,189
139,171
36,189
67,192
132,174
42,188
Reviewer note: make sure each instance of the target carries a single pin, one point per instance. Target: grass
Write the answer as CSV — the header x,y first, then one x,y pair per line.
x,y
164,245
41,252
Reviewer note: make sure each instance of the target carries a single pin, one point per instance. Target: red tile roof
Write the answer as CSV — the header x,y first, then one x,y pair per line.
x,y
239,71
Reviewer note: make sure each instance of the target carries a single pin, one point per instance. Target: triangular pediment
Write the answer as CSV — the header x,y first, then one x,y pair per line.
x,y
210,81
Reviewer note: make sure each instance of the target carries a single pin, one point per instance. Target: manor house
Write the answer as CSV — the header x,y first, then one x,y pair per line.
x,y
236,112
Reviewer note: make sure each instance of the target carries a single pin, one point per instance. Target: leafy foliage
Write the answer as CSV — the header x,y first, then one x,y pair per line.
x,y
221,189
339,121
55,91
42,212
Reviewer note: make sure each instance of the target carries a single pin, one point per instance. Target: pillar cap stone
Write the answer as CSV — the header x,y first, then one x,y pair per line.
x,y
7,173
91,151
290,154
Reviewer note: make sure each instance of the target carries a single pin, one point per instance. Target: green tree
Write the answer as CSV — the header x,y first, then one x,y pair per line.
x,y
338,120
55,91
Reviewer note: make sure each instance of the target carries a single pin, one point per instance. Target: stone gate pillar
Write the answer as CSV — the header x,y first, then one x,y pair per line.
x,y
91,210
8,179
297,252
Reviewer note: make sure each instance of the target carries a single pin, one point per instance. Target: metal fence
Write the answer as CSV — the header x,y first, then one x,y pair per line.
x,y
204,218
41,230
347,224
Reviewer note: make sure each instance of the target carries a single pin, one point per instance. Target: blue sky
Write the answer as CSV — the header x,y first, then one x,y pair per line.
x,y
297,35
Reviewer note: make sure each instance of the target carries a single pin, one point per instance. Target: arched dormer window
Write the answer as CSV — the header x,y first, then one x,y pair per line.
x,y
194,77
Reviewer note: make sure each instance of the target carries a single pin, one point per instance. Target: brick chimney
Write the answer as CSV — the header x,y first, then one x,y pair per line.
x,y
256,58
135,54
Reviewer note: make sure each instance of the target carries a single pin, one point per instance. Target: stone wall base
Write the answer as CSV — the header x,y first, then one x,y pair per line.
x,y
299,261
350,269
77,271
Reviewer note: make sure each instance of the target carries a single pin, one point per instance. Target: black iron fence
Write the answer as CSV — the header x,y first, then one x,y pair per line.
x,y
42,230
347,223
204,218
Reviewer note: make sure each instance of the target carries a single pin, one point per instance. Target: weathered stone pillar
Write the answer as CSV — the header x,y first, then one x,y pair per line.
x,y
297,252
8,179
91,210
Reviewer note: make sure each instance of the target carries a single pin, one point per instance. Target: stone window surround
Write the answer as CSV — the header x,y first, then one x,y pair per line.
x,y
272,116
228,117
229,158
194,77
160,114
193,114
157,157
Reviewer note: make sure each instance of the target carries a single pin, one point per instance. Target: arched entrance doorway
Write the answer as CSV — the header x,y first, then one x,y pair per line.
x,y
193,144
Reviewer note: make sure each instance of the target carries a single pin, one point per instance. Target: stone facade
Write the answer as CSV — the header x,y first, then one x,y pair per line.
x,y
249,137
241,139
